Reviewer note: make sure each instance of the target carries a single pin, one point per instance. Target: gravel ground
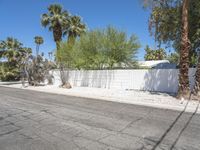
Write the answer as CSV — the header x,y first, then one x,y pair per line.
x,y
153,99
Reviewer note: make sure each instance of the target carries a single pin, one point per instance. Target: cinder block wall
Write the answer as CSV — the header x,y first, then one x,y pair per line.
x,y
161,80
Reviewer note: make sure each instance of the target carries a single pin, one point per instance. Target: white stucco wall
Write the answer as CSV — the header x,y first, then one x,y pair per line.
x,y
162,80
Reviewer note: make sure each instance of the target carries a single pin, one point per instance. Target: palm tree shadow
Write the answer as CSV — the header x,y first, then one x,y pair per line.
x,y
185,126
172,125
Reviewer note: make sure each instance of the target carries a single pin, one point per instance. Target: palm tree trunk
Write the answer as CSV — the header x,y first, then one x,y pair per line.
x,y
57,34
62,74
37,49
196,90
57,45
184,89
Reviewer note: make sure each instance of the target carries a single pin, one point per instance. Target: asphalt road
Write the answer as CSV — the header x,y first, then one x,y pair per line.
x,y
32,120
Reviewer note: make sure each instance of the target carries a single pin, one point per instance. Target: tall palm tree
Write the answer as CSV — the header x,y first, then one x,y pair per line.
x,y
184,88
38,41
55,19
74,28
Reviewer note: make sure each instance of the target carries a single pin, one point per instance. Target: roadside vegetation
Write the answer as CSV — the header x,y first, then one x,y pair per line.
x,y
176,23
172,23
107,48
13,54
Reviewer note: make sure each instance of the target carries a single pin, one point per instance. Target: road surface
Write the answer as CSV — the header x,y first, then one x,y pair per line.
x,y
31,120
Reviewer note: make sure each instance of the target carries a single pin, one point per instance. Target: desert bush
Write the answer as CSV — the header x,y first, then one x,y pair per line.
x,y
8,73
100,49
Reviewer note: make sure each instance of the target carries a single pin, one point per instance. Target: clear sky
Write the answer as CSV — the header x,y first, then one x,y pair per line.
x,y
21,19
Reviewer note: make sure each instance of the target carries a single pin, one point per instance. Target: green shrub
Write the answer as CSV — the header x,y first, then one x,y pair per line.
x,y
100,49
8,73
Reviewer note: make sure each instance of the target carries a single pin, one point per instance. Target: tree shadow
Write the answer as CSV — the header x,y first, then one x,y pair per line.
x,y
92,78
85,78
101,78
185,126
173,124
161,80
164,80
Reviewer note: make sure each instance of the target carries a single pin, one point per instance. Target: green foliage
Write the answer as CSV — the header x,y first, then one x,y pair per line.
x,y
100,49
165,23
8,72
56,19
13,53
38,41
61,23
65,54
151,54
74,28
193,60
173,58
9,49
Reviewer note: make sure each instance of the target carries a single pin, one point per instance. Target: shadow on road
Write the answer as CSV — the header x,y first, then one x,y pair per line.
x,y
185,126
173,124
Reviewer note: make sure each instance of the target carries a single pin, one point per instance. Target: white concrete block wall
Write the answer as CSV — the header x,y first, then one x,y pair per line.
x,y
162,80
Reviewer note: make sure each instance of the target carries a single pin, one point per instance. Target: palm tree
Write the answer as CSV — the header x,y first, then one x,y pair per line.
x,y
38,41
56,19
184,89
74,28
24,54
9,48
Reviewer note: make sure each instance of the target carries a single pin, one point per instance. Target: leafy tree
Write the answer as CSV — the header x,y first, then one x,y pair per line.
x,y
169,22
89,47
64,57
119,48
158,54
38,41
56,19
173,58
165,24
100,49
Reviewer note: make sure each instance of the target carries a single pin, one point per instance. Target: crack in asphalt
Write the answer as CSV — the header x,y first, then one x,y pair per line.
x,y
9,132
79,124
131,123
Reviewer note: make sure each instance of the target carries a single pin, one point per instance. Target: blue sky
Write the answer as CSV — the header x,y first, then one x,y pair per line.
x,y
21,19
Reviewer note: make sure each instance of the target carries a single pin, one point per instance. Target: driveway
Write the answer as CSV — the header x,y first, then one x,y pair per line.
x,y
32,120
